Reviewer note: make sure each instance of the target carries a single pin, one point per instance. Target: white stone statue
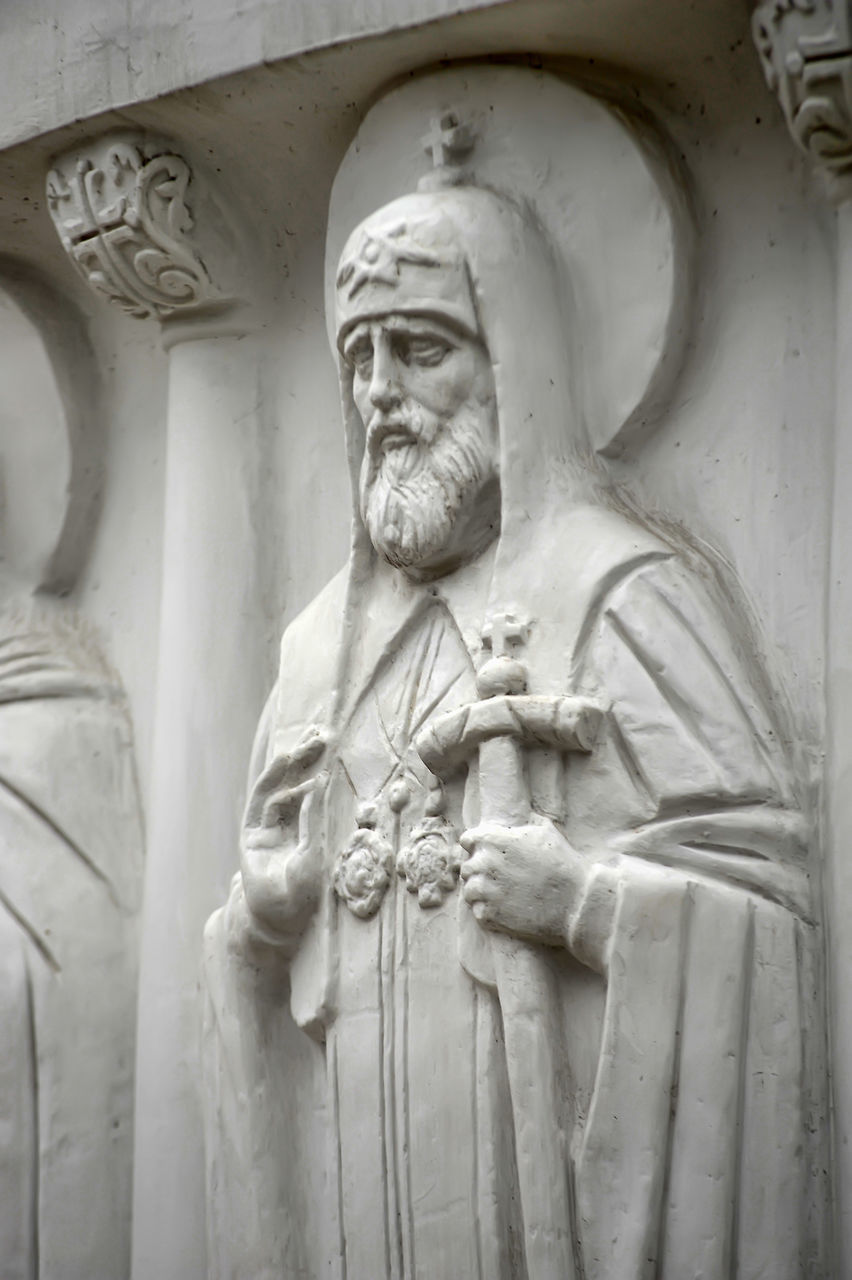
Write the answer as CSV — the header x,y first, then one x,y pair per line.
x,y
71,841
70,888
518,977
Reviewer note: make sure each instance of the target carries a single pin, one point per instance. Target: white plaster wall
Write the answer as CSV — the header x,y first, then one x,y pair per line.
x,y
744,457
119,589
94,55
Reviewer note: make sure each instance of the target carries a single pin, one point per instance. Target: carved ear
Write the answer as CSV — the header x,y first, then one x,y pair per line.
x,y
51,439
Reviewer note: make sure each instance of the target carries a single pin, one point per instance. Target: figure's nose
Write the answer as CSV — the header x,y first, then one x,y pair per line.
x,y
385,390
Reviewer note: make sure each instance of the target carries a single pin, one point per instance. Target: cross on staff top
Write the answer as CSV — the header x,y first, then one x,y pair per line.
x,y
448,140
503,632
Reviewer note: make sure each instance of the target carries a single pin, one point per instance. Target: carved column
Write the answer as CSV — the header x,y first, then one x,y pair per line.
x,y
149,235
805,47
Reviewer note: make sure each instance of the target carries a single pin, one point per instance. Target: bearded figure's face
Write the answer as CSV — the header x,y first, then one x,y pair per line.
x,y
429,492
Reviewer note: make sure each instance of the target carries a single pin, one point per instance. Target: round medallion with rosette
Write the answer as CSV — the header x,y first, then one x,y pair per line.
x,y
430,862
362,872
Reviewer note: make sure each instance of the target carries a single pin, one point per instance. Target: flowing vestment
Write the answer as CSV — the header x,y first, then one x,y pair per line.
x,y
378,1141
70,869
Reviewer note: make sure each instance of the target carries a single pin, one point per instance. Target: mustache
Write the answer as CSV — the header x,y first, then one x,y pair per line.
x,y
391,431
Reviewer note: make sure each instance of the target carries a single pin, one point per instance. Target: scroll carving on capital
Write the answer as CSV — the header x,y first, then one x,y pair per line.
x,y
124,210
805,47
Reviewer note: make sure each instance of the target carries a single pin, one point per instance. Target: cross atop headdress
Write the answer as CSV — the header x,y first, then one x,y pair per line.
x,y
503,632
448,142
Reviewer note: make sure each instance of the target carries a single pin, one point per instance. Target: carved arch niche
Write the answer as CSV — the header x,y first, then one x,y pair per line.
x,y
51,435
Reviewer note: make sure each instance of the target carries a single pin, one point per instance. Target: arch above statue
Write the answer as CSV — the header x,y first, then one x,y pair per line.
x,y
51,447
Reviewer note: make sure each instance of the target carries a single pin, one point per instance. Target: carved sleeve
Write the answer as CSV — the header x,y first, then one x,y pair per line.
x,y
689,731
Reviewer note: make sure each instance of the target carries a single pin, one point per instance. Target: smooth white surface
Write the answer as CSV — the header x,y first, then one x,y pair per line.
x,y
70,891
98,57
109,54
53,433
215,493
839,688
34,446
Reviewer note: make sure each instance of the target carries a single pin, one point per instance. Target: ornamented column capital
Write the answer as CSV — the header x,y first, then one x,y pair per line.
x,y
127,208
805,47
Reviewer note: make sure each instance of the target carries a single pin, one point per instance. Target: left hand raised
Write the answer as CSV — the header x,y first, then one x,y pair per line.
x,y
523,880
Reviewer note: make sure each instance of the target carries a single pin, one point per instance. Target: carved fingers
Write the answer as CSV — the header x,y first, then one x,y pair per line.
x,y
274,796
522,880
282,851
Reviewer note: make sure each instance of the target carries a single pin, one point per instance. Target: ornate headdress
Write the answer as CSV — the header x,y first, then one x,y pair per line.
x,y
410,261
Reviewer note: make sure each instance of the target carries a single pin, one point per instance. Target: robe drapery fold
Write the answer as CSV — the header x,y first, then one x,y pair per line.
x,y
687,1094
70,882
671,1032
694,1139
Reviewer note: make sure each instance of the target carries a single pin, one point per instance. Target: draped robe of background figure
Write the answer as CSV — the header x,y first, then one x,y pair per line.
x,y
70,887
384,1142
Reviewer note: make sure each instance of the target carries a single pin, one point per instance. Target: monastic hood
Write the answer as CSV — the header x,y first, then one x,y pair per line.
x,y
482,264
476,261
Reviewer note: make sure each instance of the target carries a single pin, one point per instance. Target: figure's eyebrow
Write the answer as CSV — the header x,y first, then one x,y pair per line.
x,y
355,338
421,325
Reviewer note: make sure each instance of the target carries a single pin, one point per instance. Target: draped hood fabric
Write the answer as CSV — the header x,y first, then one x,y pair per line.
x,y
504,279
70,885
689,1155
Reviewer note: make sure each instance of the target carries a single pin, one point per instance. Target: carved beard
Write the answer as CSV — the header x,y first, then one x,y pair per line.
x,y
412,494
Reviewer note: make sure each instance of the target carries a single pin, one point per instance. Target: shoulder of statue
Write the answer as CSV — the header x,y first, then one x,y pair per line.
x,y
603,545
304,690
48,651
675,612
324,612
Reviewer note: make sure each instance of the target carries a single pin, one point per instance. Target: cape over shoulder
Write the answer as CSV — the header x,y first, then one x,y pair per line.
x,y
308,665
600,547
561,582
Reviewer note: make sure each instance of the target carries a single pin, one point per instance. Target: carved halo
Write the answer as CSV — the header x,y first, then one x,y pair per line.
x,y
51,434
604,191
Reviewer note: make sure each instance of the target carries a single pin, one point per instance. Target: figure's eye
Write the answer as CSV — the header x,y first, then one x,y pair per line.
x,y
427,349
360,357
